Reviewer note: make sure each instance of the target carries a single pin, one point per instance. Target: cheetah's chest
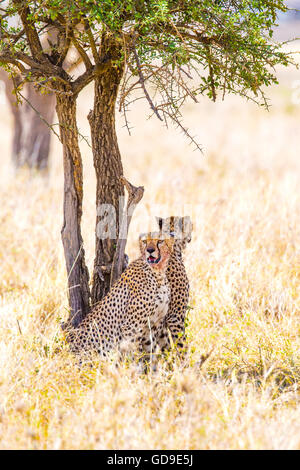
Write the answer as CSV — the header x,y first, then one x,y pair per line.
x,y
161,303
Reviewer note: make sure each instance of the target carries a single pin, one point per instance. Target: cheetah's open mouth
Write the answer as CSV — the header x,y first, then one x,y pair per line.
x,y
152,260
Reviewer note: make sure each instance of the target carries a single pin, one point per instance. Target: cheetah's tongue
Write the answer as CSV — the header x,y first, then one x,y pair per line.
x,y
152,259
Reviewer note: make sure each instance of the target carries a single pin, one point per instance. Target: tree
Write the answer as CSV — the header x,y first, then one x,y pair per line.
x,y
31,134
168,51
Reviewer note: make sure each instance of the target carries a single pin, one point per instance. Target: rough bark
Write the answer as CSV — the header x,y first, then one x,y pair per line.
x,y
31,136
78,276
107,161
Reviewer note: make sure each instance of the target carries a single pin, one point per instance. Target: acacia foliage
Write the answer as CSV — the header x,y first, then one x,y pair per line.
x,y
182,48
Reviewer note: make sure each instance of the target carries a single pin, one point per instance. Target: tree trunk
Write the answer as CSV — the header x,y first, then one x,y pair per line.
x,y
31,139
134,197
107,163
78,276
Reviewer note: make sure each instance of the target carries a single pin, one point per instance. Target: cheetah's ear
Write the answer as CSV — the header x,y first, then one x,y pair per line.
x,y
159,220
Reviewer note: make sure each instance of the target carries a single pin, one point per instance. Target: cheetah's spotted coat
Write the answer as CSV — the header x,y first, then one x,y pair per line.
x,y
136,304
180,228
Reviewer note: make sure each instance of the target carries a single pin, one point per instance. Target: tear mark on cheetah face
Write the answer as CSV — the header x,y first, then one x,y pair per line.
x,y
156,249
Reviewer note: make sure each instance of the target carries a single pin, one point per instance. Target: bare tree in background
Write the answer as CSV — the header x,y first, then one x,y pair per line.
x,y
31,134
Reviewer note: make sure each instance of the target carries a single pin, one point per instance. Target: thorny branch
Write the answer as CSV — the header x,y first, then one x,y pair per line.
x,y
142,82
170,85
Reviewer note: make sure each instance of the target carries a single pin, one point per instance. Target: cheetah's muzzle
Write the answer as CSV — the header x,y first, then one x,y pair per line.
x,y
152,260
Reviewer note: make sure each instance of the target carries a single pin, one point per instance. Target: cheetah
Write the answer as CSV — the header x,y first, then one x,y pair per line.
x,y
124,319
180,228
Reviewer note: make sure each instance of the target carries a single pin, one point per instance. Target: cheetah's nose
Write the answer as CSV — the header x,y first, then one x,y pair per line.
x,y
150,250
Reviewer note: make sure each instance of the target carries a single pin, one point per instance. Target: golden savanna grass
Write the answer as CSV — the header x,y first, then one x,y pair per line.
x,y
243,262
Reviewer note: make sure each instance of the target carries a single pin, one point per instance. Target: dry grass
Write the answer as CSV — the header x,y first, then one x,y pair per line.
x,y
244,267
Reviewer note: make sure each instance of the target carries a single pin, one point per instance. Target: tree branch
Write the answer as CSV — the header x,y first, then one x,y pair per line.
x,y
31,34
88,64
51,71
92,42
6,59
89,75
142,82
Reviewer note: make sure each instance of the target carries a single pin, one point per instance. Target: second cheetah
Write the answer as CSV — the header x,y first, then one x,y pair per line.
x,y
180,228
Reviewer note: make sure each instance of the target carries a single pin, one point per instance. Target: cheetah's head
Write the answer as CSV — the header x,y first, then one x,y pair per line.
x,y
156,249
178,227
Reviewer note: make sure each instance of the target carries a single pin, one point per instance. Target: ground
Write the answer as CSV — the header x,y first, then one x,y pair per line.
x,y
243,263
